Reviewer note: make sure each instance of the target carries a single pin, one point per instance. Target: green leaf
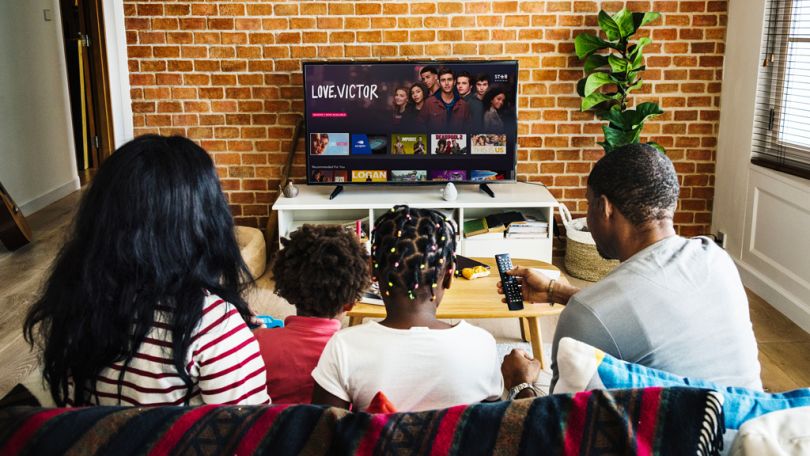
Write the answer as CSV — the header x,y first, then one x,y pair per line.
x,y
581,86
597,80
586,44
597,98
624,19
658,146
635,52
633,86
617,64
595,61
609,26
616,117
618,138
636,70
642,19
605,145
644,111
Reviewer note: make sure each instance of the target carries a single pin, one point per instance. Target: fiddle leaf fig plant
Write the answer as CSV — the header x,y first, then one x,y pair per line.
x,y
613,68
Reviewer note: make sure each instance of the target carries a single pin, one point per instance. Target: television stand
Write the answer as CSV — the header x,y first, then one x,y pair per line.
x,y
336,192
312,205
485,188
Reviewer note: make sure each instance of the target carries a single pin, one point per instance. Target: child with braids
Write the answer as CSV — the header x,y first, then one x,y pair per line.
x,y
417,361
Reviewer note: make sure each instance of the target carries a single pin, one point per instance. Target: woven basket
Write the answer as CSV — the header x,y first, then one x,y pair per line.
x,y
582,260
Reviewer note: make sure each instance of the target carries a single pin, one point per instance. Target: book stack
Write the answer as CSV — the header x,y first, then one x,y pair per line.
x,y
528,229
493,225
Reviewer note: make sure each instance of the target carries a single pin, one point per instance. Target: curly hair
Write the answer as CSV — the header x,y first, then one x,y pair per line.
x,y
320,269
411,249
639,180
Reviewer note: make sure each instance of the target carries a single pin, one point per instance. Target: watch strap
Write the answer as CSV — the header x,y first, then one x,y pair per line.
x,y
515,390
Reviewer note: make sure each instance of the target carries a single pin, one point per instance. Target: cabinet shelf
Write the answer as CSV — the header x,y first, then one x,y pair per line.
x,y
312,205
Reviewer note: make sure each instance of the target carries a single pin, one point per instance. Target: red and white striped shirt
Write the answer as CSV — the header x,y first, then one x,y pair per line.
x,y
223,360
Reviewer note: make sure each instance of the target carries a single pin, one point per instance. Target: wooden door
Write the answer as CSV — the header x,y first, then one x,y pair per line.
x,y
88,80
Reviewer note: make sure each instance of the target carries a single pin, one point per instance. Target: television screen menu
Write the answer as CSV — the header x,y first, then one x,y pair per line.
x,y
410,122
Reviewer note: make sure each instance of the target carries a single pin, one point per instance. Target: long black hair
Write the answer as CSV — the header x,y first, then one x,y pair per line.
x,y
153,232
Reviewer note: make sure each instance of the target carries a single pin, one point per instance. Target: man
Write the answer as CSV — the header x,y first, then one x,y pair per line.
x,y
419,147
481,86
464,87
430,77
446,111
673,304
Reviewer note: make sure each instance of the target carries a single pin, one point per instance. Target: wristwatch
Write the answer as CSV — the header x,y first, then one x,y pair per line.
x,y
513,391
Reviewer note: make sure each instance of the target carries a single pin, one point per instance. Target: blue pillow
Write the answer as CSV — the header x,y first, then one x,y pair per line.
x,y
740,405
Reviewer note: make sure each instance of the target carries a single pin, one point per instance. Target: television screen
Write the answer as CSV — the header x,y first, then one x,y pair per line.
x,y
410,122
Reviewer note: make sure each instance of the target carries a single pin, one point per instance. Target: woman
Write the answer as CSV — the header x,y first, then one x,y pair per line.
x,y
399,106
143,305
418,94
495,109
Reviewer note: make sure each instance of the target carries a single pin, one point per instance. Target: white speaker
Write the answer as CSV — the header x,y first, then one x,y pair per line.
x,y
449,193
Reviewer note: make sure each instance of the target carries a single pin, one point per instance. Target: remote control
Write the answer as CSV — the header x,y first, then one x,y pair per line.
x,y
511,287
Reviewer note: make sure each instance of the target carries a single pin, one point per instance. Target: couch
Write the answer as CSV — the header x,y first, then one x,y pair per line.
x,y
641,421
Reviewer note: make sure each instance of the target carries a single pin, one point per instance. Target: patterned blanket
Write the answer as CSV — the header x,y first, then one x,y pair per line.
x,y
661,421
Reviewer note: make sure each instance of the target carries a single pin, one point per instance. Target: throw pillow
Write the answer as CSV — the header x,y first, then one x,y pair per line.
x,y
582,367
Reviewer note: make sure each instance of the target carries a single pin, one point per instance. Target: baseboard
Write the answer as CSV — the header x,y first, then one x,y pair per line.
x,y
51,196
783,301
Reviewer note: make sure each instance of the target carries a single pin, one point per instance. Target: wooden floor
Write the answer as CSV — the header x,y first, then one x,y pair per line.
x,y
784,348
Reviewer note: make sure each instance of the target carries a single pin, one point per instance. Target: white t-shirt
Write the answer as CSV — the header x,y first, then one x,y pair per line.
x,y
417,369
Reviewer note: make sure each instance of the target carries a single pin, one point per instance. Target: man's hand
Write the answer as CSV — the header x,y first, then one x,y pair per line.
x,y
533,284
518,367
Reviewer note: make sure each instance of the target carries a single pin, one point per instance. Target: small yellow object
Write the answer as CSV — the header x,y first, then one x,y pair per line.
x,y
474,272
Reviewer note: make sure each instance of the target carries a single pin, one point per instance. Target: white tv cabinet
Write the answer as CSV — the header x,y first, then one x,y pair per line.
x,y
312,205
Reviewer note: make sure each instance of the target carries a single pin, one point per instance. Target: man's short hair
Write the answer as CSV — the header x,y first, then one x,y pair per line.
x,y
428,69
639,180
465,74
482,77
445,70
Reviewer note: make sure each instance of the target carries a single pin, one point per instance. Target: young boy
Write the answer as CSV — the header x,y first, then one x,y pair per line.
x,y
417,361
322,270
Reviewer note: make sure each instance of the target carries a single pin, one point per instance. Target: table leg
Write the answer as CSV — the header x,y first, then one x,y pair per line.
x,y
524,329
537,341
353,321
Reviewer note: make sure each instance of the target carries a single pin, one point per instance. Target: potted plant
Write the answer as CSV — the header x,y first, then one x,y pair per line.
x,y
609,79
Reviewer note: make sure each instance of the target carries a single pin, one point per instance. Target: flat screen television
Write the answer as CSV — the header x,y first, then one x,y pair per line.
x,y
367,124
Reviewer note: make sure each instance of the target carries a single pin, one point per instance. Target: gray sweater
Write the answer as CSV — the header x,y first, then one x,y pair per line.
x,y
678,306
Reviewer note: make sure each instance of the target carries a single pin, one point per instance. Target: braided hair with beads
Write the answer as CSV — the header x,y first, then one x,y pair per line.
x,y
410,248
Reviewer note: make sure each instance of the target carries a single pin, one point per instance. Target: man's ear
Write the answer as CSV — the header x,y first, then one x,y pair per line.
x,y
605,207
348,307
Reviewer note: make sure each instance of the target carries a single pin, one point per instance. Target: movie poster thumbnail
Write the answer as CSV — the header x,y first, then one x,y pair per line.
x,y
486,175
329,144
408,144
449,144
448,175
408,175
363,144
369,175
489,144
321,175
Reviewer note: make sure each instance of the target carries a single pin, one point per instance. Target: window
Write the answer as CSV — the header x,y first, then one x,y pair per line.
x,y
782,119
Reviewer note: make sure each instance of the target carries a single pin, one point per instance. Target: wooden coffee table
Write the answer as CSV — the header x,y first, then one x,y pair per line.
x,y
479,298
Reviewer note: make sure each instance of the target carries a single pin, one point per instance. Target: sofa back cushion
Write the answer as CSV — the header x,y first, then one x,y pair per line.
x,y
641,421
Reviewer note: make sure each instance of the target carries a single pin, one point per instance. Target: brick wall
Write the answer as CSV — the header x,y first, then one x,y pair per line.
x,y
228,74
